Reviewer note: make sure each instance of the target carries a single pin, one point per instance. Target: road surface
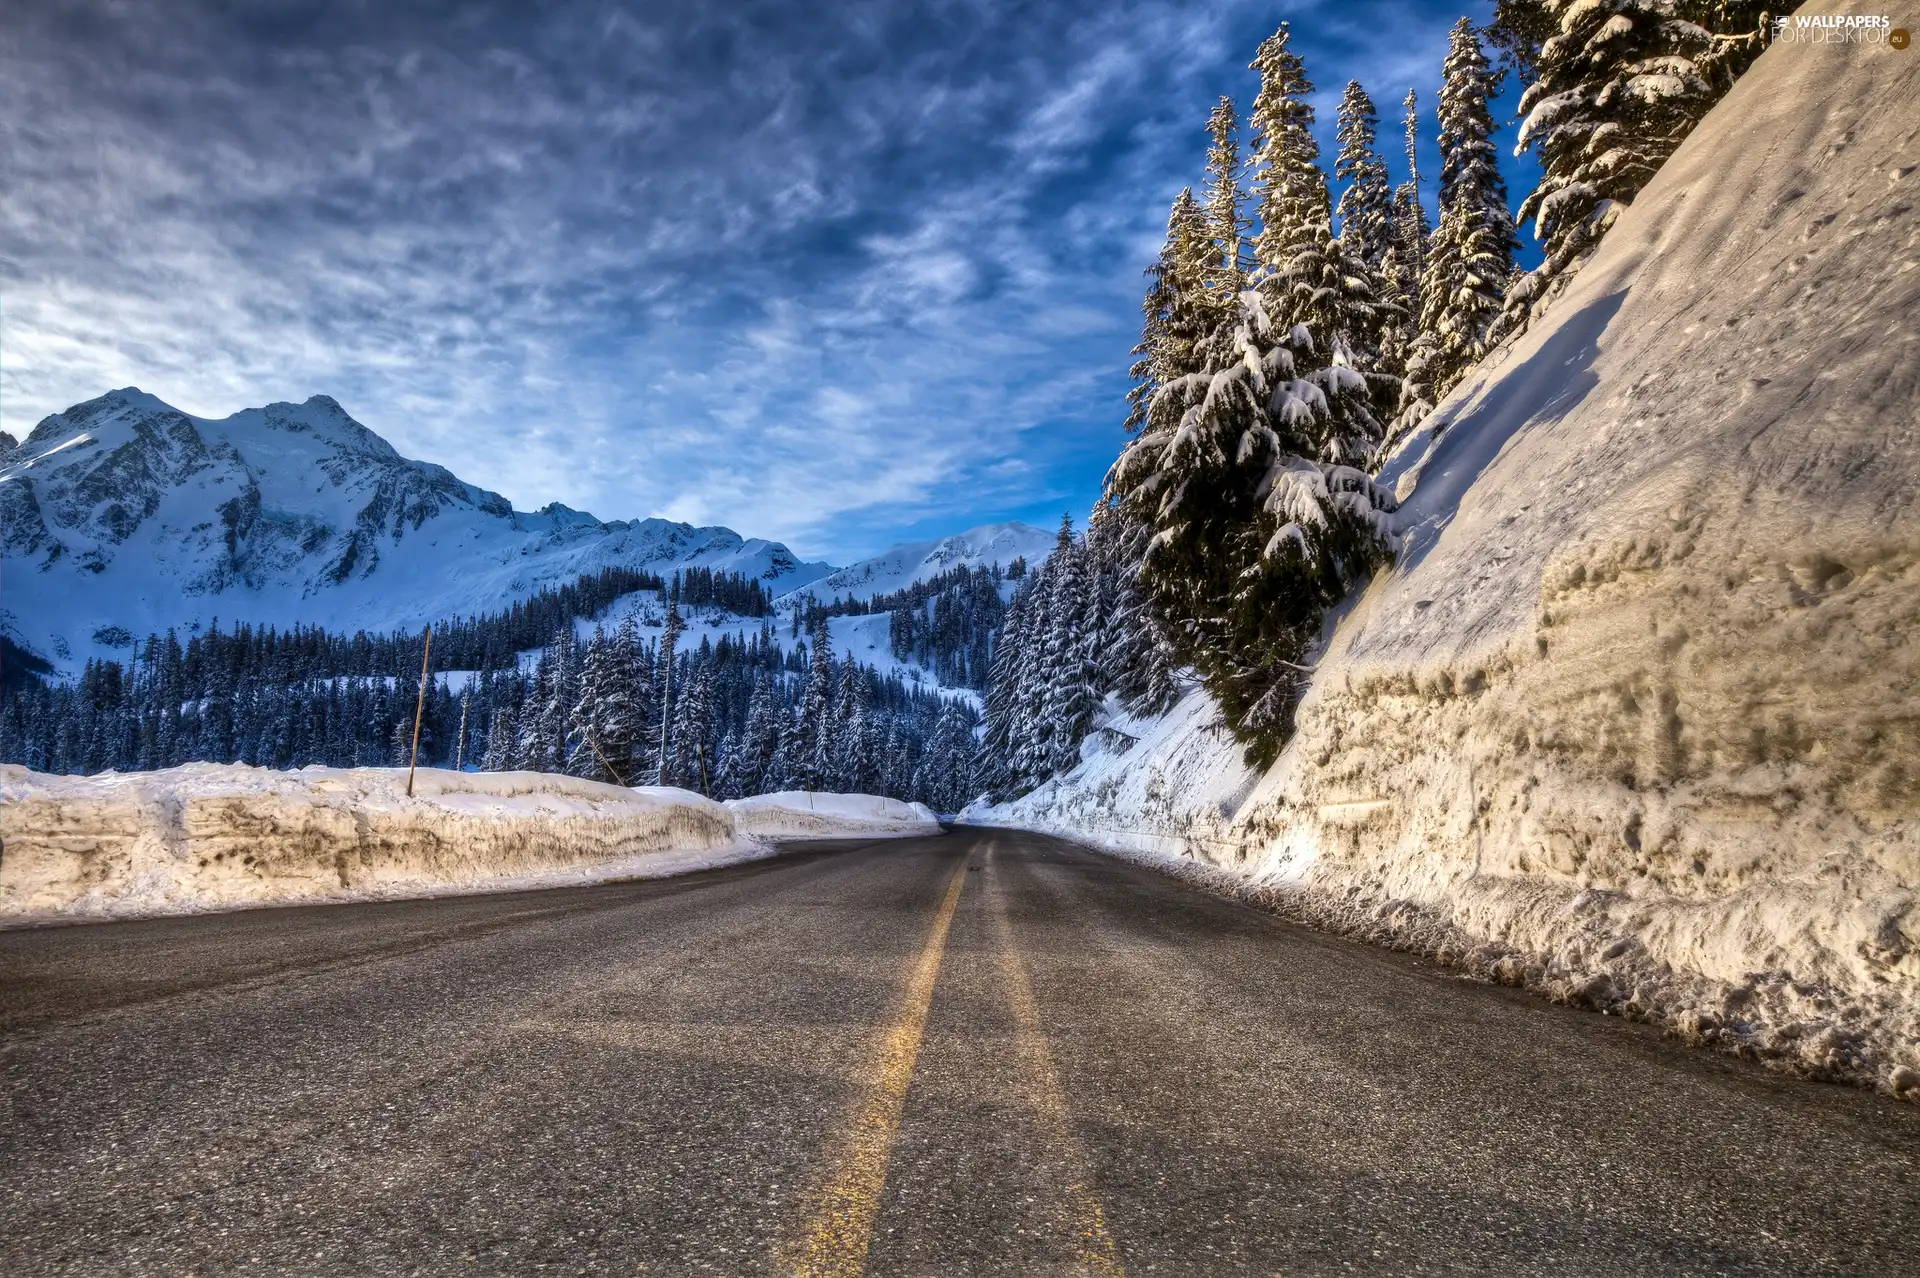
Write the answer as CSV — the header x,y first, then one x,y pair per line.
x,y
985,1053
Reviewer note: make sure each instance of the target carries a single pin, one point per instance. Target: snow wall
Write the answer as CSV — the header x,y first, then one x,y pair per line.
x,y
220,836
1635,719
801,814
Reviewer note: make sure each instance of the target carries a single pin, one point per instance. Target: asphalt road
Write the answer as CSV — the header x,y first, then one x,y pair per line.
x,y
985,1053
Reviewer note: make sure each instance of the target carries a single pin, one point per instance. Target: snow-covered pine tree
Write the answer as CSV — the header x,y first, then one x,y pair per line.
x,y
840,752
1069,694
1400,268
810,725
1033,733
545,720
1175,314
1224,273
1252,481
1615,87
1255,535
663,665
946,766
1410,227
502,742
748,765
1366,206
625,726
1330,298
994,770
692,764
1136,658
1470,256
597,676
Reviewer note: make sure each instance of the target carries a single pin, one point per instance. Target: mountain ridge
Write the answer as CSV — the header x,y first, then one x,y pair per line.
x,y
124,514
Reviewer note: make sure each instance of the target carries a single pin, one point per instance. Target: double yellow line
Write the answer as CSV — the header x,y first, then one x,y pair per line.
x,y
840,1211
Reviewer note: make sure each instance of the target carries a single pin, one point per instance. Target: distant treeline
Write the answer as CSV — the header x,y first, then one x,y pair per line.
x,y
732,717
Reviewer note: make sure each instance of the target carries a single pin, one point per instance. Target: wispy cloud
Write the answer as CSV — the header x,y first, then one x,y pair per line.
x,y
817,274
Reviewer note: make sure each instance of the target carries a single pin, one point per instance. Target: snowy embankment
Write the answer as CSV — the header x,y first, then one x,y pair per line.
x,y
1635,719
220,836
802,814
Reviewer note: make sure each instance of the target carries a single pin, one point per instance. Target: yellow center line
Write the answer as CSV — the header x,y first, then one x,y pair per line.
x,y
1097,1254
840,1212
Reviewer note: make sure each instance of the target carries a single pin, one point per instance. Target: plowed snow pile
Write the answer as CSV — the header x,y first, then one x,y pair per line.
x,y
1636,718
800,814
218,836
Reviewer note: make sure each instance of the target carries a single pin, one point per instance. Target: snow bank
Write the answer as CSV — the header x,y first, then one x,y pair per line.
x,y
800,814
220,836
1635,720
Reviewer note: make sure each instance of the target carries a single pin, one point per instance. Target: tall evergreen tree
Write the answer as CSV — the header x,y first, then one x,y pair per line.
x,y
692,763
810,736
669,643
1225,272
1329,298
1411,228
1176,313
1069,692
1470,257
1366,207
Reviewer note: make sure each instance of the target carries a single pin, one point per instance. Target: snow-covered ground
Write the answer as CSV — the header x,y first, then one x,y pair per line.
x,y
221,836
1635,720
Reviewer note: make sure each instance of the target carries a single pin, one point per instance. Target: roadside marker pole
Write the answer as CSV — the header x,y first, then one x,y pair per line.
x,y
419,705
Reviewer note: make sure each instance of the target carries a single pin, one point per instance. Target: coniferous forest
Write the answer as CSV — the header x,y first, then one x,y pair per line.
x,y
1289,342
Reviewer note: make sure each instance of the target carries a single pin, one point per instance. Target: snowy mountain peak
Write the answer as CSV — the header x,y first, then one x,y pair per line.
x,y
900,566
123,515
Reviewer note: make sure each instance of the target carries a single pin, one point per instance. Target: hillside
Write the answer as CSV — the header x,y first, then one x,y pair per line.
x,y
1632,720
124,515
901,566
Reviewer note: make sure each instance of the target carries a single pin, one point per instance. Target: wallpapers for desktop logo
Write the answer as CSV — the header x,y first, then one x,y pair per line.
x,y
1840,28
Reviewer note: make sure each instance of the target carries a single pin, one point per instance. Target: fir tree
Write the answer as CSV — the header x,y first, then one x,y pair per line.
x,y
1175,312
809,739
692,763
669,642
1224,274
1245,471
1069,694
1328,298
1366,207
1470,257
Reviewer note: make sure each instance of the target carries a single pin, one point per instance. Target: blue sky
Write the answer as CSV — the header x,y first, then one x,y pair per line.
x,y
833,274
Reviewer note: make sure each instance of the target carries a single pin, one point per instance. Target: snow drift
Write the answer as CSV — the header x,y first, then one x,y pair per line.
x,y
800,814
1635,719
219,836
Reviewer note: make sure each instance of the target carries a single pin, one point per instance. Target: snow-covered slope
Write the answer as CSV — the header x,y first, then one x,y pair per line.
x,y
1636,718
123,515
908,562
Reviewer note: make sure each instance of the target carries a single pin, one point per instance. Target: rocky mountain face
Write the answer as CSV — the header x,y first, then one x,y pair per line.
x,y
124,514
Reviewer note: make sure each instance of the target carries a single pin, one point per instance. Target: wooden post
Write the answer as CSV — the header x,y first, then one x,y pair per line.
x,y
419,705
